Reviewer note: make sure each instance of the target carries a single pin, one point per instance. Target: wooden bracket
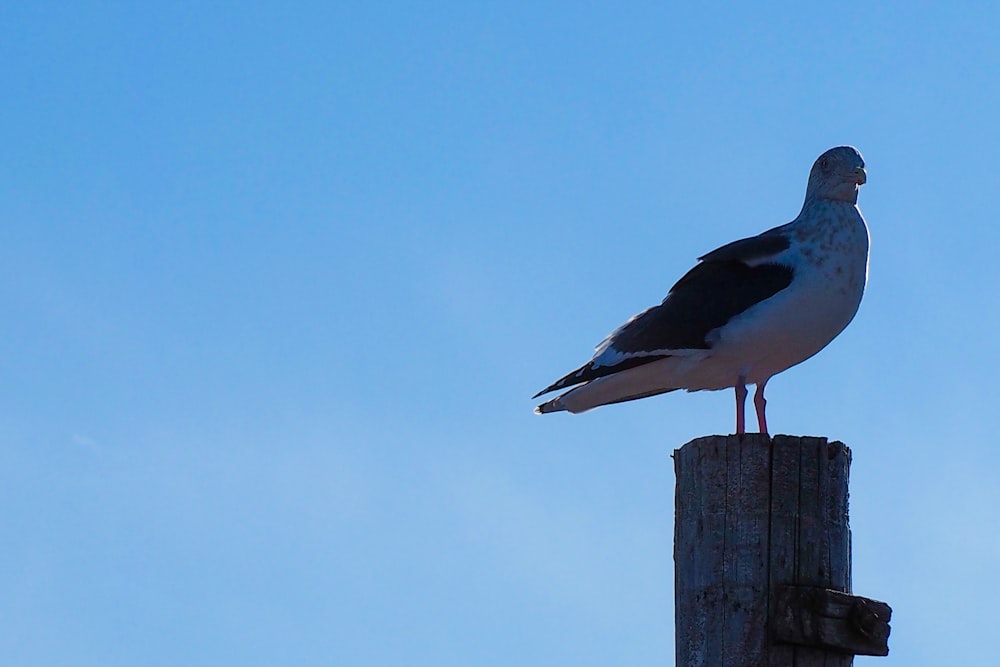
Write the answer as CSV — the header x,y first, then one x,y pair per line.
x,y
823,618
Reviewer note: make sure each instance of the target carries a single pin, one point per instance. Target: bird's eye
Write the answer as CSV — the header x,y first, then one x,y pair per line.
x,y
824,163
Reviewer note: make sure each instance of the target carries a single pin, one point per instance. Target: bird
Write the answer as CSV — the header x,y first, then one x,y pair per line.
x,y
746,311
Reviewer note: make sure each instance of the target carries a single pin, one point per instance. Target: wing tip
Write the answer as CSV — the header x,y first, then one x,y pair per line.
x,y
568,380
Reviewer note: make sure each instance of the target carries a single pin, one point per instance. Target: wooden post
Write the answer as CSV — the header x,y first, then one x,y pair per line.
x,y
762,552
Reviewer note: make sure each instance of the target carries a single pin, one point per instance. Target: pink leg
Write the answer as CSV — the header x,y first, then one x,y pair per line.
x,y
760,403
741,399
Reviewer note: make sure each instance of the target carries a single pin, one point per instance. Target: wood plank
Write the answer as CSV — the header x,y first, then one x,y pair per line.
x,y
783,531
834,620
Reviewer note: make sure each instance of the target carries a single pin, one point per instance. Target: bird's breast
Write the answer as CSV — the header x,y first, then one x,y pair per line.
x,y
830,271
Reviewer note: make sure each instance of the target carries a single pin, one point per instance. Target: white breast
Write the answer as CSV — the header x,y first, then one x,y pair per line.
x,y
829,254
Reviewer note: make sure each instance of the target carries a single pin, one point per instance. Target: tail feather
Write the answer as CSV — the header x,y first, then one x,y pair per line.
x,y
632,384
550,406
593,371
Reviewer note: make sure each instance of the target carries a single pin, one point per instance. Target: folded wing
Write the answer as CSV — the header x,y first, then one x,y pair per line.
x,y
725,283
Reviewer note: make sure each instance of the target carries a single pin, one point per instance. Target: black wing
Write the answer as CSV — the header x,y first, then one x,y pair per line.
x,y
708,296
721,286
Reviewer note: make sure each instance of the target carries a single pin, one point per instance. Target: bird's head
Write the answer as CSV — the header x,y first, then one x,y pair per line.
x,y
837,174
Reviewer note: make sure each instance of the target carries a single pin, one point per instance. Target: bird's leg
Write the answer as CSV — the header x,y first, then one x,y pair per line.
x,y
741,399
760,403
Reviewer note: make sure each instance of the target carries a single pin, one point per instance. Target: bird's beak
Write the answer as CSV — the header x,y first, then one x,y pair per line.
x,y
860,176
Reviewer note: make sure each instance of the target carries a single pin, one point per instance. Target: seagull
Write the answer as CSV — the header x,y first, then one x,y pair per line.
x,y
746,312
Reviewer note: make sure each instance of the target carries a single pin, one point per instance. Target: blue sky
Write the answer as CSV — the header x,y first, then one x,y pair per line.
x,y
277,283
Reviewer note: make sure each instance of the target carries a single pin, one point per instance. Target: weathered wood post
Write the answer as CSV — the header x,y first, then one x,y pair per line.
x,y
762,554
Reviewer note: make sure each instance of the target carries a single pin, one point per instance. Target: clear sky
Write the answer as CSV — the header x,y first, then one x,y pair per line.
x,y
277,281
